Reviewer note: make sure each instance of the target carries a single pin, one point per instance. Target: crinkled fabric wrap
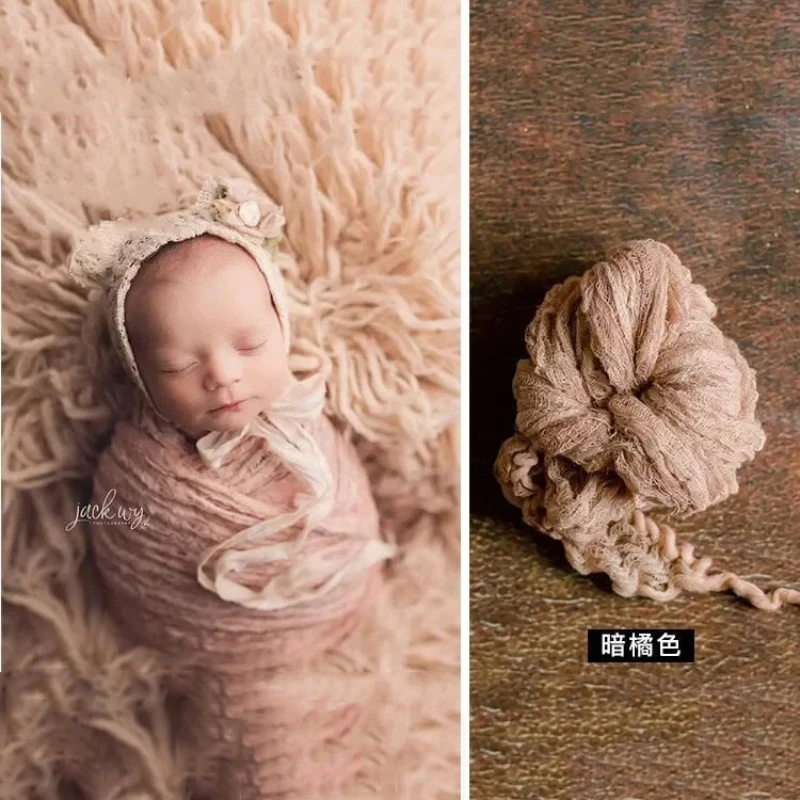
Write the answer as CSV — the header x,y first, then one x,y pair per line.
x,y
253,742
632,401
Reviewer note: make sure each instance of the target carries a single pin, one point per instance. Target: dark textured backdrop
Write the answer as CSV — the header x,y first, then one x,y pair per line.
x,y
592,123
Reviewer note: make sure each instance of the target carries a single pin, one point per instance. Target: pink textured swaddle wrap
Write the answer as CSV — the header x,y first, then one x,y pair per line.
x,y
264,743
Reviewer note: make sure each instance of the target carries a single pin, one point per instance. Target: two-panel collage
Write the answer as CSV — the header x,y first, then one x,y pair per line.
x,y
400,400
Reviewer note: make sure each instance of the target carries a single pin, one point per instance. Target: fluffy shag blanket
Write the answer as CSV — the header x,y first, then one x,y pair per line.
x,y
346,112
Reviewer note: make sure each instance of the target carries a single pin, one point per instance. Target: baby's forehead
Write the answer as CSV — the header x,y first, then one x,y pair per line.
x,y
182,269
196,261
197,252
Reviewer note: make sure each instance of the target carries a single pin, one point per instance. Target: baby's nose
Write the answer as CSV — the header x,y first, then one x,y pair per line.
x,y
222,372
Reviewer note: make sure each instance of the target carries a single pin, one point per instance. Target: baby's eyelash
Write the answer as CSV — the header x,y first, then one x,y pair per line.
x,y
177,371
253,348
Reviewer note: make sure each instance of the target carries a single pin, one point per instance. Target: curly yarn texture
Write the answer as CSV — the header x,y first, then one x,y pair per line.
x,y
632,401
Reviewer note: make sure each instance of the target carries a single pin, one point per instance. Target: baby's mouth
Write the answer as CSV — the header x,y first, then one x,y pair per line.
x,y
228,407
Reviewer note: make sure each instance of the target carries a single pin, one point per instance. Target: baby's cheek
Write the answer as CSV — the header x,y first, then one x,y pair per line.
x,y
275,376
176,395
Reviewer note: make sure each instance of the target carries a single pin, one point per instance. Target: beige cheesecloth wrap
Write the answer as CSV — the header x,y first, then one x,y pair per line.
x,y
632,402
259,548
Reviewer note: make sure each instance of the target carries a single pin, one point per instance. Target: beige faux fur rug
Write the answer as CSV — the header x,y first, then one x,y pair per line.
x,y
346,112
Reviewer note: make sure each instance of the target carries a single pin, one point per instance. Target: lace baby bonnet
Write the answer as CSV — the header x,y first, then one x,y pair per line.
x,y
632,401
108,257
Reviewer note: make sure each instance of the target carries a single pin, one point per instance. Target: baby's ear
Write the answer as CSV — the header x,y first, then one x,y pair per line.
x,y
97,257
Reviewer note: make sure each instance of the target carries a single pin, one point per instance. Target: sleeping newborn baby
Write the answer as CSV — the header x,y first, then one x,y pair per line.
x,y
262,544
206,336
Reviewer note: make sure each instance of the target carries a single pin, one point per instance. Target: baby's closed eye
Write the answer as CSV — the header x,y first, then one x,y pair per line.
x,y
246,347
177,370
250,347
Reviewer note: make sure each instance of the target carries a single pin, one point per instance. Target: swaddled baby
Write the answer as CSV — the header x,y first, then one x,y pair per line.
x,y
262,541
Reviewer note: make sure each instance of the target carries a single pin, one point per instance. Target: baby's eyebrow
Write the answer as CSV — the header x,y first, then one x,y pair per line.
x,y
241,333
251,330
167,348
167,359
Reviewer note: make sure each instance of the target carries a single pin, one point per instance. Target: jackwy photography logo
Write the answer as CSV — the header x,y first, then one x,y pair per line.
x,y
106,513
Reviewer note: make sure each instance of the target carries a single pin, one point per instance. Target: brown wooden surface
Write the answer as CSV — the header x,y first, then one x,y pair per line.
x,y
593,123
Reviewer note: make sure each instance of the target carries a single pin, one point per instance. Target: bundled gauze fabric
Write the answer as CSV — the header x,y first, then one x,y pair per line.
x,y
632,401
257,548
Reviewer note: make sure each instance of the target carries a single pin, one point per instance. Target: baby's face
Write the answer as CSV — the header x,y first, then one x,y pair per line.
x,y
206,336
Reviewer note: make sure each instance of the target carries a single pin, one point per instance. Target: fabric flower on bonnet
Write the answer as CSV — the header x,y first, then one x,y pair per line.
x,y
251,213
